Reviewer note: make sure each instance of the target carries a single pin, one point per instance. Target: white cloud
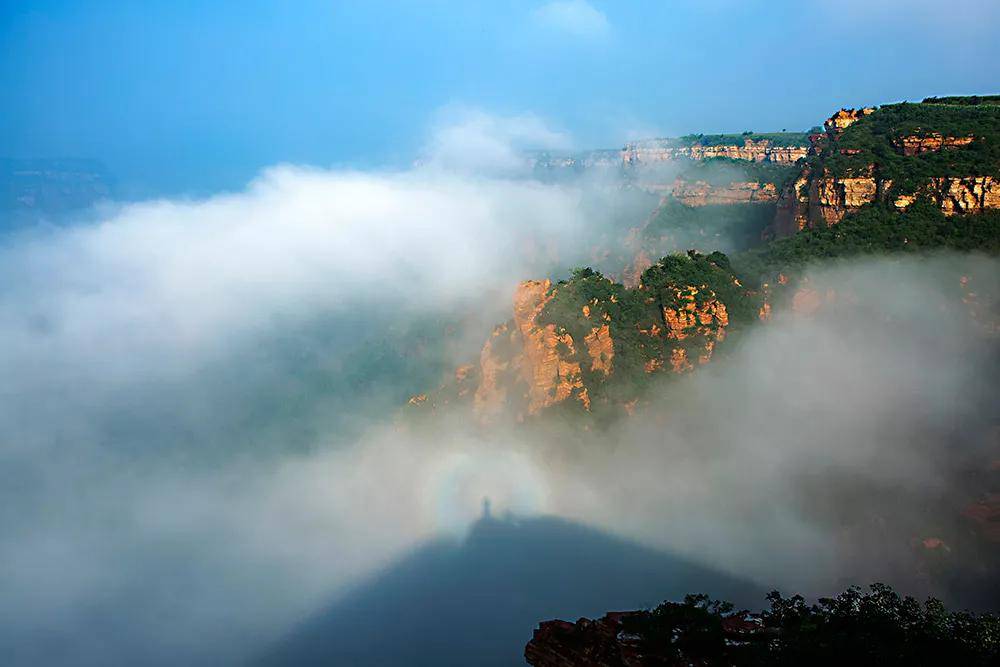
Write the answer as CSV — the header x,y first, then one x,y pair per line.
x,y
470,140
115,333
575,17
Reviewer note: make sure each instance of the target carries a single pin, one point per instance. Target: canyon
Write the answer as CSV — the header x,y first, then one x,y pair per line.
x,y
572,343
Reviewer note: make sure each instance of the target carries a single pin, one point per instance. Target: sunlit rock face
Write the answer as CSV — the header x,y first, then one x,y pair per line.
x,y
601,349
652,151
929,143
830,198
525,366
545,363
702,193
844,118
705,321
970,194
564,344
826,200
844,173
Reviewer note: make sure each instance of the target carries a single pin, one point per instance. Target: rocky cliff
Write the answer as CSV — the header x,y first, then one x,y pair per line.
x,y
703,193
599,643
844,118
780,148
587,343
895,155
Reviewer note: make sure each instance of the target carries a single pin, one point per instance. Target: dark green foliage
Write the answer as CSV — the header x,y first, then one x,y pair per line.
x,y
877,627
776,139
874,229
691,629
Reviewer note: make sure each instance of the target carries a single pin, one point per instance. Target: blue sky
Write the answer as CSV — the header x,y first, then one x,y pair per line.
x,y
191,97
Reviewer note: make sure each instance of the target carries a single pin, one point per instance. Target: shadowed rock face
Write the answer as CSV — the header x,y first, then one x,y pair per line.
x,y
598,642
477,602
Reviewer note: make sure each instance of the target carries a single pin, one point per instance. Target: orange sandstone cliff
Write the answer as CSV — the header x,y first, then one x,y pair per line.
x,y
652,151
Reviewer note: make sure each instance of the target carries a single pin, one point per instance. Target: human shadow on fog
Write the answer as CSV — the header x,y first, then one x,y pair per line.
x,y
476,602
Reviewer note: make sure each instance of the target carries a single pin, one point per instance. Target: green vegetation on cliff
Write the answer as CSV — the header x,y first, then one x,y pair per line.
x,y
877,627
729,227
875,229
776,139
964,99
689,308
589,299
876,139
722,171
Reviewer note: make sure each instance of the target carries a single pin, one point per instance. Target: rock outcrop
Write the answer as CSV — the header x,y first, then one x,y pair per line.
x,y
590,342
611,641
702,193
826,199
967,194
526,366
844,118
929,143
596,643
822,196
547,351
601,349
652,151
705,321
831,197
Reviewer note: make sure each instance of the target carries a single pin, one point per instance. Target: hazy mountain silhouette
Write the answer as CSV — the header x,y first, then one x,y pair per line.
x,y
476,602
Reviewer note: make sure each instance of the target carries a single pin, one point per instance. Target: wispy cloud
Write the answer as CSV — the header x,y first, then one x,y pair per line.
x,y
576,17
471,140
